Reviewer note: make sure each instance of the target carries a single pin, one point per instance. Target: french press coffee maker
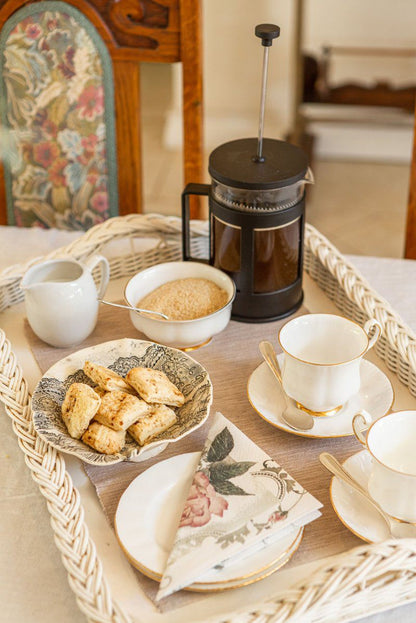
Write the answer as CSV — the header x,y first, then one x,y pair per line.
x,y
256,216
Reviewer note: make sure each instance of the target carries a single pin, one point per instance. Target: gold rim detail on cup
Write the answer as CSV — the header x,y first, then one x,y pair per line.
x,y
315,363
326,413
285,428
393,469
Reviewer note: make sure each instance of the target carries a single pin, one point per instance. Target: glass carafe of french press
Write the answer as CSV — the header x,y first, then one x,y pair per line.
x,y
256,217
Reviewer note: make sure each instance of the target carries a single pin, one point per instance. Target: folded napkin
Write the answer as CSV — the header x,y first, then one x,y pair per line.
x,y
240,499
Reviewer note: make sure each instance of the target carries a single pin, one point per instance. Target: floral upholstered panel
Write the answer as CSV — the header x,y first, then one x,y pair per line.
x,y
57,136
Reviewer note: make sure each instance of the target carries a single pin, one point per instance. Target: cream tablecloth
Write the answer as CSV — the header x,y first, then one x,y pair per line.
x,y
33,583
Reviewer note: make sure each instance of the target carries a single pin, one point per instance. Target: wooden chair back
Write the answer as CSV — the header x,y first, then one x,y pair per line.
x,y
160,31
410,241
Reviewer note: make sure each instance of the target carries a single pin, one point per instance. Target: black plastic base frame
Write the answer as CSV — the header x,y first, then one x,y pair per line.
x,y
240,317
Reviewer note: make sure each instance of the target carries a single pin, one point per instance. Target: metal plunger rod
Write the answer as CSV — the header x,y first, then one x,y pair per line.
x,y
267,32
262,103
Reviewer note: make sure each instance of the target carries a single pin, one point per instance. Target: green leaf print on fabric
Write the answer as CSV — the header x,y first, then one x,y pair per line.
x,y
221,446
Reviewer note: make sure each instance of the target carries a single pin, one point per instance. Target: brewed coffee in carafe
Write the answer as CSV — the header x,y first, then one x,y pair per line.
x,y
276,249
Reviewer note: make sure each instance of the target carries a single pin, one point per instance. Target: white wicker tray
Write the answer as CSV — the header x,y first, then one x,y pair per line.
x,y
366,579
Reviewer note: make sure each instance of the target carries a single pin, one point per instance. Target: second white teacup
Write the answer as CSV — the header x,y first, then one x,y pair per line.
x,y
322,357
390,440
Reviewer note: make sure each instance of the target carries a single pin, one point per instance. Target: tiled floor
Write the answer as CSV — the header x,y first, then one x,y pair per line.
x,y
359,206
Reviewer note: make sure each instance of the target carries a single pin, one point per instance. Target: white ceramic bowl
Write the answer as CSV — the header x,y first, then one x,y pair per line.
x,y
179,333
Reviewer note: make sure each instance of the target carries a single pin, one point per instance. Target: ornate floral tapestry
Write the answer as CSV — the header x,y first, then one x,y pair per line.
x,y
57,138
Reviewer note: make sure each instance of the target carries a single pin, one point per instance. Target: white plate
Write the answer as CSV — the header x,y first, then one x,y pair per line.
x,y
199,587
148,515
352,508
121,355
375,396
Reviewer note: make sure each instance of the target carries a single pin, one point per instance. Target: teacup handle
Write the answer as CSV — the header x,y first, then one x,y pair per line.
x,y
102,261
360,422
367,328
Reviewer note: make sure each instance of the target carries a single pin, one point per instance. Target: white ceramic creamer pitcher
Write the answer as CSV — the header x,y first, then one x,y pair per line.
x,y
62,299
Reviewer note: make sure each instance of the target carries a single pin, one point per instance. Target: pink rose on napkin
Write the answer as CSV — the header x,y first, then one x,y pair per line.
x,y
276,516
202,502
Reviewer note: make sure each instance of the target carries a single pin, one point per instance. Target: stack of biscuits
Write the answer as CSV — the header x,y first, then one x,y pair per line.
x,y
141,403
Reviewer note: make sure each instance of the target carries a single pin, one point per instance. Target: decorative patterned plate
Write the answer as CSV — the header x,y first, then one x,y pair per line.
x,y
120,356
146,525
267,399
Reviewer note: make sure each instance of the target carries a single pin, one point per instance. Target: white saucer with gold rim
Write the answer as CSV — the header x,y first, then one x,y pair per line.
x,y
146,521
376,395
353,510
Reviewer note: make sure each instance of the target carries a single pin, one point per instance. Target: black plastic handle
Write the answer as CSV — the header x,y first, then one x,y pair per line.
x,y
190,189
267,32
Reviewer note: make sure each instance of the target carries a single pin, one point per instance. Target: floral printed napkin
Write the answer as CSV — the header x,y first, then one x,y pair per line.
x,y
240,499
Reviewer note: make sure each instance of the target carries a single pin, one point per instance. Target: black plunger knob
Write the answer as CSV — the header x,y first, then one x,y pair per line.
x,y
267,32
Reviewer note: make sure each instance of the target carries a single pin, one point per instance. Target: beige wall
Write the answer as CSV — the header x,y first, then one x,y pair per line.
x,y
233,65
233,59
370,23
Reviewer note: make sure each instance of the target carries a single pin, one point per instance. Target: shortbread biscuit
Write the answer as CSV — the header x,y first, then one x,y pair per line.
x,y
104,439
119,410
80,405
154,386
159,419
105,378
100,391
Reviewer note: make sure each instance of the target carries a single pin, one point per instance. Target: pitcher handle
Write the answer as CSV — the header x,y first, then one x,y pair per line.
x,y
367,328
104,266
360,422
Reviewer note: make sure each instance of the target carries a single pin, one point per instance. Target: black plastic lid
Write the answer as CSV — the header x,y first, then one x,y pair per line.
x,y
235,164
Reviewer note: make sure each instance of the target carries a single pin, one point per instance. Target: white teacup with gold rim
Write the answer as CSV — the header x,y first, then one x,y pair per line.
x,y
390,440
322,357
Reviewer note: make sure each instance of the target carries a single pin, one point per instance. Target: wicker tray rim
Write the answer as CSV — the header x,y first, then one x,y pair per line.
x,y
366,579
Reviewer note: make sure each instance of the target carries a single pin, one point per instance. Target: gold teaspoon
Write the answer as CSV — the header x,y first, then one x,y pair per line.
x,y
396,528
293,417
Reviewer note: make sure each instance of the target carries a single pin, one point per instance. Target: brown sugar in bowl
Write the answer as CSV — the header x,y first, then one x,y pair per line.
x,y
188,332
186,298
